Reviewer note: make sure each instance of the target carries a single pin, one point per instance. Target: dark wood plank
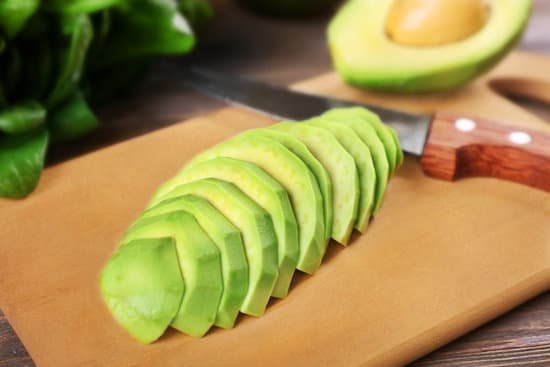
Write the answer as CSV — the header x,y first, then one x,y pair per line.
x,y
284,51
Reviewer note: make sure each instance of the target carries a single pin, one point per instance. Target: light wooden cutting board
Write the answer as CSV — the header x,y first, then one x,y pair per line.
x,y
440,259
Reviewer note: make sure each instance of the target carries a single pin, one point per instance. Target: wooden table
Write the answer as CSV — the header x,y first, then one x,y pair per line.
x,y
284,51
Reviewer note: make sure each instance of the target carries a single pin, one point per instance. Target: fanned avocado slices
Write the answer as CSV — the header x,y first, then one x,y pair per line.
x,y
257,231
367,133
227,238
264,190
365,167
292,173
341,168
229,230
297,147
382,131
200,264
142,286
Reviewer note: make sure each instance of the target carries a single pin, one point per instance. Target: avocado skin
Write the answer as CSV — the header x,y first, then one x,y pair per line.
x,y
440,79
288,7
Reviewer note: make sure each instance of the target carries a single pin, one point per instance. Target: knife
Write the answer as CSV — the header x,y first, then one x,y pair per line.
x,y
450,145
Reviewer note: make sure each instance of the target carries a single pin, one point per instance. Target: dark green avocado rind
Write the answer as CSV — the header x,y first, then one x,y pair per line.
x,y
200,265
142,286
264,190
301,151
429,76
227,238
292,173
257,231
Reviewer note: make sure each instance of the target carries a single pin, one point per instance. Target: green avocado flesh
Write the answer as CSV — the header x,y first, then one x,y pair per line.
x,y
367,133
200,265
264,190
365,167
295,177
260,241
143,287
227,238
365,56
341,168
301,151
230,229
384,133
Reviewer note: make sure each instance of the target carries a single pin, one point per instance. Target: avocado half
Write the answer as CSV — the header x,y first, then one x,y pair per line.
x,y
365,56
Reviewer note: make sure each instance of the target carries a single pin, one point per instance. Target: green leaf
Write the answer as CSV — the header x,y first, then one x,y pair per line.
x,y
72,119
15,13
72,59
145,28
21,162
22,117
78,6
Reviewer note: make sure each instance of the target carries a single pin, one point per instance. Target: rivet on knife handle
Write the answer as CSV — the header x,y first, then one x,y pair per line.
x,y
461,146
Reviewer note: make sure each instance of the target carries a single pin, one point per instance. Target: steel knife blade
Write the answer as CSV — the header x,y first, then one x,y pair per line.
x,y
283,103
450,145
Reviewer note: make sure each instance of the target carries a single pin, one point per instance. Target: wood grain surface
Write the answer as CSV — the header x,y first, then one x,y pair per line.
x,y
284,51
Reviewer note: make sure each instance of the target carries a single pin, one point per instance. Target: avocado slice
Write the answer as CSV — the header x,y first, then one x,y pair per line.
x,y
260,241
292,173
367,133
341,168
142,286
227,238
264,190
323,179
200,264
365,166
365,56
386,137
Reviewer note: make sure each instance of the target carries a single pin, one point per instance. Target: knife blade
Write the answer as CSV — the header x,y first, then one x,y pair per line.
x,y
283,103
450,145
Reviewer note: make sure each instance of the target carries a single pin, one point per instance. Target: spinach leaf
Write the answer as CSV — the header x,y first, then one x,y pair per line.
x,y
22,117
21,162
71,119
15,13
71,59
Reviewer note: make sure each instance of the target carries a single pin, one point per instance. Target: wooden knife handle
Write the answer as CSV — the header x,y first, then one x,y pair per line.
x,y
462,146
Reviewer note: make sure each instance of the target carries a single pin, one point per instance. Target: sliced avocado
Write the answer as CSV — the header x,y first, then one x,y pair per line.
x,y
363,160
323,179
341,168
143,287
227,238
295,177
382,131
264,190
364,55
367,133
260,241
200,265
395,138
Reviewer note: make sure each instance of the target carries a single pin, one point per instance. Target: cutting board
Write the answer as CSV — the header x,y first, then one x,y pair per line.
x,y
439,260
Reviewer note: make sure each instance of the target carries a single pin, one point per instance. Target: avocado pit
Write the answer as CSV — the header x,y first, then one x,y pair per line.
x,y
427,23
